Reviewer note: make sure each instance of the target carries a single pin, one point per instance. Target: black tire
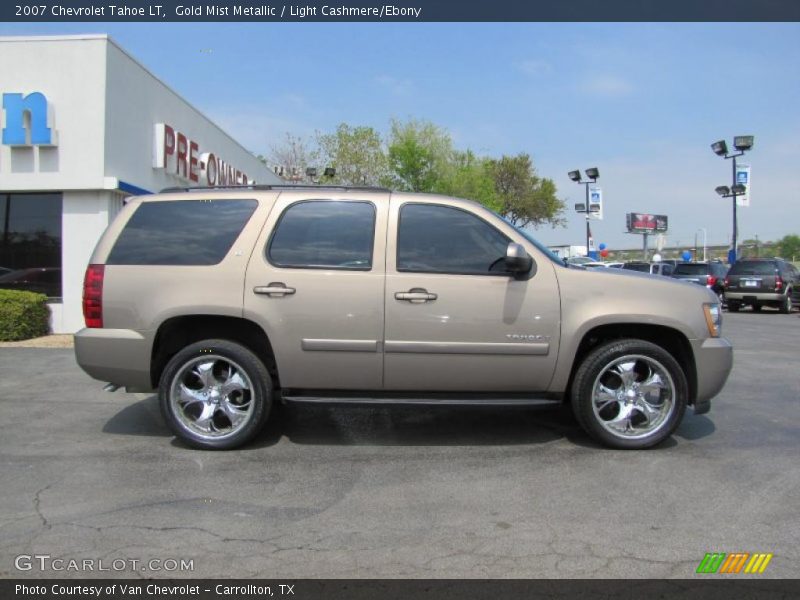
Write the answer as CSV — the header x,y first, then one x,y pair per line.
x,y
733,306
756,308
231,359
595,365
786,303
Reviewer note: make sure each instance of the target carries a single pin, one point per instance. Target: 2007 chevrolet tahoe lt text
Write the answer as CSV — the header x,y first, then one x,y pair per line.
x,y
229,300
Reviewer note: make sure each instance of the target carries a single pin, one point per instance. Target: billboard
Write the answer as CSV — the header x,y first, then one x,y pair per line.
x,y
646,223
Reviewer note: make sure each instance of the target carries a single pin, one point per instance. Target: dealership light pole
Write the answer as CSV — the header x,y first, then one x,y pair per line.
x,y
575,176
742,143
705,243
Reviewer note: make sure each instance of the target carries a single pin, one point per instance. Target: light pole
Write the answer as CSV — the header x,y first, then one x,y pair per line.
x,y
575,176
742,143
705,243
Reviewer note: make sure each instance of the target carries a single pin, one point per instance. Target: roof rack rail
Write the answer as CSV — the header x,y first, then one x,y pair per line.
x,y
270,186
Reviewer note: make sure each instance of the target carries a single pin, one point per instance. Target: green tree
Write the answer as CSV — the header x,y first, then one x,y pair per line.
x,y
525,198
789,246
419,155
357,154
468,176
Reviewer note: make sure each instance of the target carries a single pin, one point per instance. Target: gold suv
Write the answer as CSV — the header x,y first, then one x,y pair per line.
x,y
229,300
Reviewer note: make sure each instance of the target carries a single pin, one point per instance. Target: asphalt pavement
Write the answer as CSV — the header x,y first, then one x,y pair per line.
x,y
398,492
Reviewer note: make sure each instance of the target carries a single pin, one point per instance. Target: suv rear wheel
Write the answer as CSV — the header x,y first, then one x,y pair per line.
x,y
786,303
215,394
629,394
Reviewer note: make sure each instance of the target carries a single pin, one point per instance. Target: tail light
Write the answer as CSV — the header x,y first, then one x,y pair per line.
x,y
711,280
778,283
93,296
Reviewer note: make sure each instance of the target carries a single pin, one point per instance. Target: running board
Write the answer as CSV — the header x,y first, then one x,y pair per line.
x,y
499,402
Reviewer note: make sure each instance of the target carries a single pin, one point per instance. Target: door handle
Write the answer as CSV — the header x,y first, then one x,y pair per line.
x,y
276,288
415,296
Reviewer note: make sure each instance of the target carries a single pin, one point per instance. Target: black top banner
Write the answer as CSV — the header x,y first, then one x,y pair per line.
x,y
400,10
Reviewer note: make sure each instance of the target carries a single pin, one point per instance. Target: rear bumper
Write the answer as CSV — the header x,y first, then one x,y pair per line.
x,y
120,356
754,296
714,361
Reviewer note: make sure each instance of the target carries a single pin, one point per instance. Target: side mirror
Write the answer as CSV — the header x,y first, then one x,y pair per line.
x,y
518,261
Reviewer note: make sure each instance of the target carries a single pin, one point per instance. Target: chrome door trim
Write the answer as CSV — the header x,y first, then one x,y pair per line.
x,y
405,347
329,345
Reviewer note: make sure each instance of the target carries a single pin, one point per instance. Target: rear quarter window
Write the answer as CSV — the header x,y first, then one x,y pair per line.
x,y
181,232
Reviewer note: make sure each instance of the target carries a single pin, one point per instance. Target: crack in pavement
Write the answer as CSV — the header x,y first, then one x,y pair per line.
x,y
37,504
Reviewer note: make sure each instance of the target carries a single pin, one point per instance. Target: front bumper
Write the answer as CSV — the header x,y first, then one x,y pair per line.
x,y
120,356
713,362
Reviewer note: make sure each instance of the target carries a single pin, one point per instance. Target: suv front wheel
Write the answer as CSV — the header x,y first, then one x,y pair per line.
x,y
215,394
629,394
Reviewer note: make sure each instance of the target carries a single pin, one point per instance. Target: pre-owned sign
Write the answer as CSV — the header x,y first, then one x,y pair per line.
x,y
180,155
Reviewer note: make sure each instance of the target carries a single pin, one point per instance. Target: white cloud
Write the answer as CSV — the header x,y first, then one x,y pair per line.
x,y
608,86
398,87
535,67
259,128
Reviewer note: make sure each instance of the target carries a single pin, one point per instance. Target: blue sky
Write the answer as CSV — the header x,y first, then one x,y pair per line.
x,y
642,102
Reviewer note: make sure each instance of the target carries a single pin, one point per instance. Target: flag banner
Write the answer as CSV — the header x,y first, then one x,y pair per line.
x,y
596,203
743,178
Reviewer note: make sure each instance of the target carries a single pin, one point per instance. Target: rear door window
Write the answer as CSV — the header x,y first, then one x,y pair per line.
x,y
181,232
324,234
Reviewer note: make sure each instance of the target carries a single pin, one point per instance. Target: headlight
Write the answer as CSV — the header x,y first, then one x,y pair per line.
x,y
713,314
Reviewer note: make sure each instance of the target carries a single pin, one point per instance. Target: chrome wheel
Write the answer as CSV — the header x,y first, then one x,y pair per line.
x,y
212,397
633,396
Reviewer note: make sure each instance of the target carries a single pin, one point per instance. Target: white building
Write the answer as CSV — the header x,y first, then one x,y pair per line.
x,y
83,126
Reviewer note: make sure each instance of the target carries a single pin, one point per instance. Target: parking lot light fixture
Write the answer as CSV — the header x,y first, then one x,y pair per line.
x,y
720,148
742,143
575,176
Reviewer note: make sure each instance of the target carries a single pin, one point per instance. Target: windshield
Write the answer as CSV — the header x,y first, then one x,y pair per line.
x,y
539,246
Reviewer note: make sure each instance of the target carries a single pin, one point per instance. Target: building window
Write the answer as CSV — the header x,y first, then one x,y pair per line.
x,y
30,243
